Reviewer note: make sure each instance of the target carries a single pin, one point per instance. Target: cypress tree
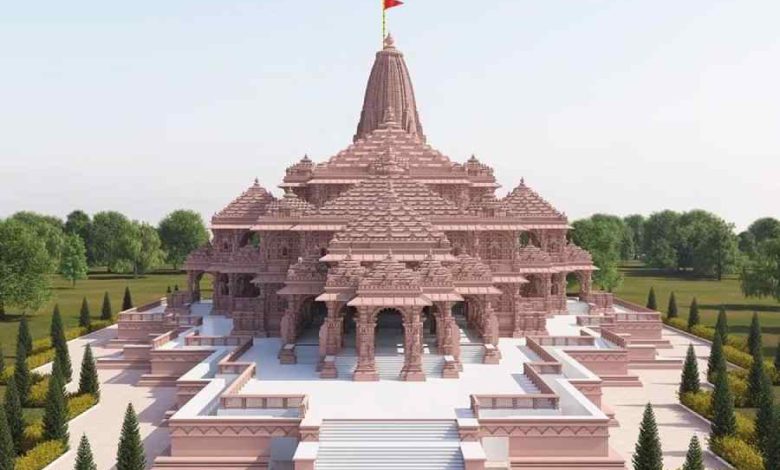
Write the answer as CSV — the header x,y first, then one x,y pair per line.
x,y
723,420
84,317
717,360
60,344
647,453
55,414
693,314
7,453
651,302
21,371
23,336
777,356
764,403
754,337
130,454
88,378
176,288
168,290
756,377
772,454
694,459
722,324
105,311
2,360
690,374
13,413
127,300
671,310
84,458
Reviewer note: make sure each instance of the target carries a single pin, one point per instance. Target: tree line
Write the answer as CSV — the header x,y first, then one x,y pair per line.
x,y
33,246
697,241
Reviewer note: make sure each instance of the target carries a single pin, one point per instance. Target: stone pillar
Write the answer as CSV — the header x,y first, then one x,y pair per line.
x,y
586,284
364,343
333,329
490,334
413,347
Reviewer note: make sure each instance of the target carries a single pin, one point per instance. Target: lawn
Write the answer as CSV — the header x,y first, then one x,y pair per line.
x,y
143,289
710,294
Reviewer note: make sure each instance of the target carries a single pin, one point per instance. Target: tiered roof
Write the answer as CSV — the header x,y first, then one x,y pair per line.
x,y
390,283
525,202
246,208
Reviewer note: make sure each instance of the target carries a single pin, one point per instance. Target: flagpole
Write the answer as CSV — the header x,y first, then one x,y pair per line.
x,y
384,22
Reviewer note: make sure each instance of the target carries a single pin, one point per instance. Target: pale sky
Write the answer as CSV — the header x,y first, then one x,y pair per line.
x,y
603,106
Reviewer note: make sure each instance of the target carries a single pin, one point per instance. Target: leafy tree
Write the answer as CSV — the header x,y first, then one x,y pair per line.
x,y
660,240
21,371
765,420
723,420
652,304
60,345
706,244
114,240
635,225
73,262
671,310
55,414
722,324
14,414
694,460
84,458
767,228
647,453
746,243
24,280
24,337
85,319
716,363
105,310
181,232
760,275
79,223
602,235
88,378
130,454
754,337
693,314
7,452
47,229
127,300
690,374
148,253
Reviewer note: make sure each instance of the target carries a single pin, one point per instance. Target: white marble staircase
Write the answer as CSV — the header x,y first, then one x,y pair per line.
x,y
472,353
386,445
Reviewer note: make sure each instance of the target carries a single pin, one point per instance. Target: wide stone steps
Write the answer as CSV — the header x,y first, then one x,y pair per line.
x,y
386,445
472,354
526,384
389,365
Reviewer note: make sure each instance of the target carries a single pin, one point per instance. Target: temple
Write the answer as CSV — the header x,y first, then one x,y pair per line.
x,y
469,319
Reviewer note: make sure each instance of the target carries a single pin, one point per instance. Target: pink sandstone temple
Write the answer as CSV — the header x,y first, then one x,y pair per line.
x,y
390,311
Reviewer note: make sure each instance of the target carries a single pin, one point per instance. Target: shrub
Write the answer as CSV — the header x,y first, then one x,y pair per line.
x,y
678,323
700,402
703,332
37,396
78,404
738,453
41,455
32,435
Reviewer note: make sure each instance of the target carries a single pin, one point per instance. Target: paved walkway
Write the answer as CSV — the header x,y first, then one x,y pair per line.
x,y
103,423
676,425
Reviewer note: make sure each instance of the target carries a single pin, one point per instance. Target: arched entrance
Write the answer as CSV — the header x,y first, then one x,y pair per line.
x,y
389,332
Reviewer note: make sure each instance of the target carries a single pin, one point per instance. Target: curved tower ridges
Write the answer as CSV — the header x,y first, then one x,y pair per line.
x,y
389,86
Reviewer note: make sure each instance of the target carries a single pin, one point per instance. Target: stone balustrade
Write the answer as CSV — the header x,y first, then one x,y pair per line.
x,y
534,401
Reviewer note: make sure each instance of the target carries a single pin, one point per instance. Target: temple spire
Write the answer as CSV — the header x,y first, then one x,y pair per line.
x,y
389,87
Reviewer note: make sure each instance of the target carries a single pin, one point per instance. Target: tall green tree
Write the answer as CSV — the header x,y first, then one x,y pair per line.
x,y
602,235
85,319
7,451
689,382
24,337
652,304
105,310
647,453
127,300
756,373
671,309
660,240
693,314
706,244
181,232
26,264
723,419
73,262
147,252
79,223
115,241
130,453
772,454
777,355
760,275
60,345
84,458
694,459
765,419
14,414
21,371
754,336
88,377
635,225
722,324
46,228
764,229
716,364
55,414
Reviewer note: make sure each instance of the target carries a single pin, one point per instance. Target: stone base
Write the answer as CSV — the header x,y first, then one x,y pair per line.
x,y
492,355
611,462
413,376
365,376
328,368
287,354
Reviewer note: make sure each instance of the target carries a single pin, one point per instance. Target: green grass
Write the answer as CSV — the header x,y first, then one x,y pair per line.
x,y
143,289
710,294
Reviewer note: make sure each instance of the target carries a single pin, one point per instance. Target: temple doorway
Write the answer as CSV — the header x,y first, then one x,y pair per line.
x,y
389,332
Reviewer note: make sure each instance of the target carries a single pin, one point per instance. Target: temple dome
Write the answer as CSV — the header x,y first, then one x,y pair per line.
x,y
389,87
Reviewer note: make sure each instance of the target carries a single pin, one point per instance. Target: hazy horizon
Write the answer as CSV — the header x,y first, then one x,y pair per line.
x,y
603,106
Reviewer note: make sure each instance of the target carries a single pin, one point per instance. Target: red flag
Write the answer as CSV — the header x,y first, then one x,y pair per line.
x,y
392,3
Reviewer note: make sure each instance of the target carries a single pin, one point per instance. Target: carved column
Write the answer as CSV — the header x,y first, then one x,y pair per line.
x,y
333,326
586,285
413,347
365,371
490,334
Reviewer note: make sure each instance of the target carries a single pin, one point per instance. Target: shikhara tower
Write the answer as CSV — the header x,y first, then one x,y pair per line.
x,y
390,225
